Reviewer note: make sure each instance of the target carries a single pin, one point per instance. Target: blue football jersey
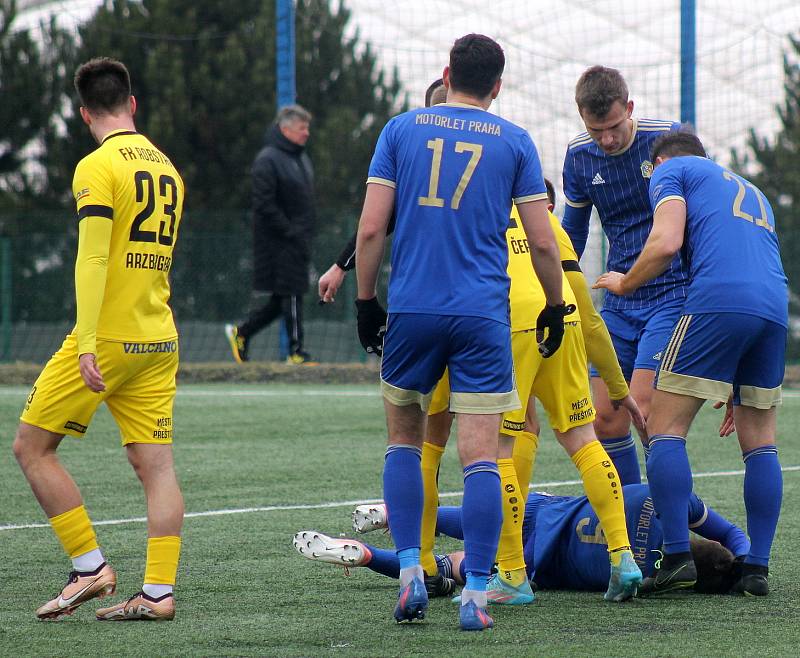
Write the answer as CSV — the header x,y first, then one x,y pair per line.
x,y
456,170
730,245
565,547
617,185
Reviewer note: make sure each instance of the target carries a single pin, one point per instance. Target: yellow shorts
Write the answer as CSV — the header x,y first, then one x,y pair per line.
x,y
140,390
440,398
561,382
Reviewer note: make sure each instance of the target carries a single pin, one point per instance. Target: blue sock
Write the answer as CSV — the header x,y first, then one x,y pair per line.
x,y
387,563
408,557
448,522
481,517
670,479
384,562
709,524
623,453
402,493
763,492
475,582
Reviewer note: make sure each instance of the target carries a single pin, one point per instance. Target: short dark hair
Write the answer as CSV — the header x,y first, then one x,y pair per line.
x,y
681,142
551,191
431,88
598,88
103,85
476,64
716,573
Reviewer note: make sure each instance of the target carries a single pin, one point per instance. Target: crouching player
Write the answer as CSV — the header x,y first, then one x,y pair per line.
x,y
729,341
564,542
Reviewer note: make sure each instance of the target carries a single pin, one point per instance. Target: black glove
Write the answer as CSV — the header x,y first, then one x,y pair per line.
x,y
552,319
371,320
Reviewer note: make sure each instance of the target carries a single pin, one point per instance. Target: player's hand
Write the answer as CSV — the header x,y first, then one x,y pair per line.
x,y
91,373
611,281
329,284
637,417
552,319
371,320
727,426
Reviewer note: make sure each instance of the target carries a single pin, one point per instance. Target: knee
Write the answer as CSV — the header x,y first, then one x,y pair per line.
x,y
25,449
610,423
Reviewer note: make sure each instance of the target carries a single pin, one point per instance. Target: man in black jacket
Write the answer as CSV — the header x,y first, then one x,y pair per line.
x,y
283,224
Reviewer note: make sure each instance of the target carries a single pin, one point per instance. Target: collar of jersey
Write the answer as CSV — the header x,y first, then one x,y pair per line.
x,y
117,133
630,141
464,105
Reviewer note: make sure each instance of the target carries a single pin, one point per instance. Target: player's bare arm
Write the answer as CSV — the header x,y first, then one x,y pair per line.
x,y
666,239
375,216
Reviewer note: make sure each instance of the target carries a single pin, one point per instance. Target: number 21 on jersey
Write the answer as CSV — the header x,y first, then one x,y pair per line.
x,y
437,146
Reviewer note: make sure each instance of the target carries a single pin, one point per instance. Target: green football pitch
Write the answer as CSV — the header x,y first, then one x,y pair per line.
x,y
258,463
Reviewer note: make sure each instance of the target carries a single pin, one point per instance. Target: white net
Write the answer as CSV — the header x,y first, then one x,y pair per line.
x,y
739,73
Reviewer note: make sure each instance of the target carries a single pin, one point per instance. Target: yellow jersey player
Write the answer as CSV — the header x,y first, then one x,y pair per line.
x,y
561,383
123,351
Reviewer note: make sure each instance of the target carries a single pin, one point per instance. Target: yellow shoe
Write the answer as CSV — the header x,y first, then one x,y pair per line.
x,y
300,358
238,343
140,607
81,587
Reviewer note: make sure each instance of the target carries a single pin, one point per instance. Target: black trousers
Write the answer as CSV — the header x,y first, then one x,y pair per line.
x,y
289,306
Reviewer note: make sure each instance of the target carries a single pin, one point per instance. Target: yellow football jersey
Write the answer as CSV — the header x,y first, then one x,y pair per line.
x,y
129,198
527,296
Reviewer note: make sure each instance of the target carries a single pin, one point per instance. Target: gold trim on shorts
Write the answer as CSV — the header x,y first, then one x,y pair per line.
x,y
678,334
400,397
696,387
760,398
484,403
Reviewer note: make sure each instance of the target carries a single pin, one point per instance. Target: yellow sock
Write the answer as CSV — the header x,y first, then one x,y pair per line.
x,y
601,483
74,530
510,561
524,455
163,554
431,458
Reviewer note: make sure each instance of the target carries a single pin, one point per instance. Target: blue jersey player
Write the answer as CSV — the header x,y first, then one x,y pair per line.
x,y
450,173
608,167
729,343
564,544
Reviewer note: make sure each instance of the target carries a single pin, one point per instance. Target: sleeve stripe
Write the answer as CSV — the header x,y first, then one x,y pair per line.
x,y
570,266
578,204
381,181
677,197
95,211
530,197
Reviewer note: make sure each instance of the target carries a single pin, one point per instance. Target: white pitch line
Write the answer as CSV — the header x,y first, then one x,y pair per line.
x,y
349,503
187,392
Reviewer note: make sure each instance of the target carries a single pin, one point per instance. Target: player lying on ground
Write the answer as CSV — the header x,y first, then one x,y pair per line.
x,y
565,547
562,384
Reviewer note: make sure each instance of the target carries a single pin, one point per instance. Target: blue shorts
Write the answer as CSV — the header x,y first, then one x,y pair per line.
x,y
712,355
640,335
476,352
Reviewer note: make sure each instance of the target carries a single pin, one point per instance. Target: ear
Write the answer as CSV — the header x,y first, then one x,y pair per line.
x,y
446,77
659,161
133,105
496,88
550,207
629,108
87,118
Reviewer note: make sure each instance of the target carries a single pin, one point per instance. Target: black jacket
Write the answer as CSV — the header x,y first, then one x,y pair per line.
x,y
283,216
